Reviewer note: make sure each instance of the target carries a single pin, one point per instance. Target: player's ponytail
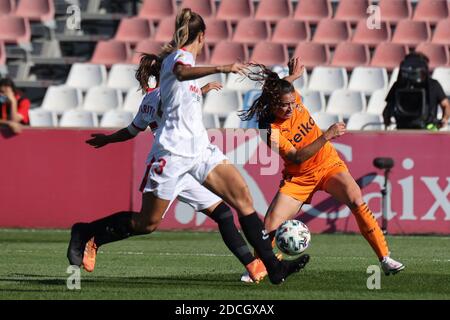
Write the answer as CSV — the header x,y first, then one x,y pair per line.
x,y
149,66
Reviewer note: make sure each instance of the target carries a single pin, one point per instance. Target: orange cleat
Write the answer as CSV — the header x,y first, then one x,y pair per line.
x,y
256,270
90,253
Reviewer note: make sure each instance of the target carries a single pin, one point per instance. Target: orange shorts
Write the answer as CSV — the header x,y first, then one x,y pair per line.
x,y
303,187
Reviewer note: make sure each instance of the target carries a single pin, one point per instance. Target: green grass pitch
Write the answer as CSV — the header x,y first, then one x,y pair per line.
x,y
197,265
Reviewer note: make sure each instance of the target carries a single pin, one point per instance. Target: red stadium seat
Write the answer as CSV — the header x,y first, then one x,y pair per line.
x,y
158,9
395,10
438,54
388,55
431,11
269,54
273,11
110,52
226,52
235,10
313,10
371,37
36,10
351,55
442,32
7,6
15,29
332,32
146,46
352,10
312,54
165,30
411,33
204,57
251,31
217,30
290,32
205,8
134,30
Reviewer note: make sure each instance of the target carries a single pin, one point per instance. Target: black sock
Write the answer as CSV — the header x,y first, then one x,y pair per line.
x,y
112,228
230,234
254,231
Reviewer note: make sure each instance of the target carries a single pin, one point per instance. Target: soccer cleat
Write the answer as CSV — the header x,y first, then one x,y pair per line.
x,y
390,266
288,267
77,244
90,253
247,278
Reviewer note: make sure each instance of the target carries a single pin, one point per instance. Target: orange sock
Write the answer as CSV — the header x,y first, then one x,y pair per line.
x,y
371,230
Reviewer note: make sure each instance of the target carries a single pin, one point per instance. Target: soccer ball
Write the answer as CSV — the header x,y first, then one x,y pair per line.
x,y
292,237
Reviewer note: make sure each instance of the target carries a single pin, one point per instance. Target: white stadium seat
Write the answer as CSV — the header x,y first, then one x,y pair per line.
x,y
116,119
365,121
86,75
314,101
368,79
101,99
442,75
78,118
223,102
325,120
232,120
377,102
241,83
211,121
133,100
62,98
216,77
345,102
122,77
42,118
328,79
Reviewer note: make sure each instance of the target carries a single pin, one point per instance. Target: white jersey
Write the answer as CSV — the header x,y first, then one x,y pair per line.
x,y
183,132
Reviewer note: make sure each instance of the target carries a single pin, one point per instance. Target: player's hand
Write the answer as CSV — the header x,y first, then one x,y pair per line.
x,y
99,140
296,68
15,127
335,131
236,67
211,86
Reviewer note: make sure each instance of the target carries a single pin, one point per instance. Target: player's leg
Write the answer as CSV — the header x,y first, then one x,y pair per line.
x,y
344,189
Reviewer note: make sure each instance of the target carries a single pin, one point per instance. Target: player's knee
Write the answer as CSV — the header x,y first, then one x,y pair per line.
x,y
355,200
243,198
144,225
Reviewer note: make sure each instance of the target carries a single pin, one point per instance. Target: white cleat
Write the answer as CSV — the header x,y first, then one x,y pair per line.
x,y
246,277
390,266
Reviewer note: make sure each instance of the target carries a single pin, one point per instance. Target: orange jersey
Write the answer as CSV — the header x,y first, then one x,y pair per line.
x,y
299,131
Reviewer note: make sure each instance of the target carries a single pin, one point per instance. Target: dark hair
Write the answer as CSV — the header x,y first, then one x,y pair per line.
x,y
188,25
149,65
7,82
272,91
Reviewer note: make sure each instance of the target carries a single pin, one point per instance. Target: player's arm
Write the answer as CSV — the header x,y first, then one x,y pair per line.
x,y
445,105
296,70
14,126
301,155
185,72
99,140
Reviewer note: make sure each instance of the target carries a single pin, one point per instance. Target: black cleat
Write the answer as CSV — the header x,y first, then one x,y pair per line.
x,y
78,239
286,268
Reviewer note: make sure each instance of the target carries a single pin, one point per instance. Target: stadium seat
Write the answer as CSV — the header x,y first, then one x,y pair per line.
x,y
42,118
441,33
122,77
377,102
111,52
116,119
215,77
211,121
222,103
15,30
312,54
345,102
2,54
371,37
164,31
101,99
157,9
235,10
394,11
226,52
7,7
86,75
328,79
146,46
36,10
313,10
332,32
61,98
431,11
217,30
251,31
438,54
368,79
350,55
205,8
274,11
133,100
365,121
314,101
411,33
232,121
442,74
241,83
393,77
352,10
325,120
134,30
78,118
291,32
270,54
388,55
